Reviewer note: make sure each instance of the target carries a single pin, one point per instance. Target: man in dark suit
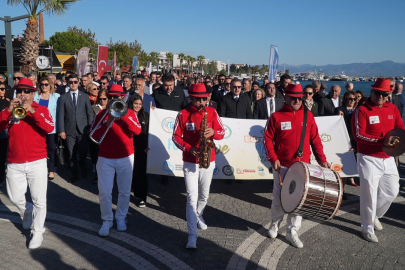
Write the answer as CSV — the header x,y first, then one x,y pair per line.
x,y
333,100
211,103
285,80
75,118
266,106
398,93
236,104
226,88
219,87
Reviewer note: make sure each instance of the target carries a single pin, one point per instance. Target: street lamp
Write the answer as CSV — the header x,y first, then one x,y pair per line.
x,y
9,45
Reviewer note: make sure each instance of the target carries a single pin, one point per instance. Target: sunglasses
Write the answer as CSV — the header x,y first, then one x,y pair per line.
x,y
17,78
103,99
297,98
104,83
44,84
26,91
392,86
57,85
73,82
352,99
308,93
228,83
95,89
380,93
238,87
2,89
202,98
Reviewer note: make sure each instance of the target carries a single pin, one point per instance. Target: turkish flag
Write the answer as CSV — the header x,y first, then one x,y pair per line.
x,y
102,60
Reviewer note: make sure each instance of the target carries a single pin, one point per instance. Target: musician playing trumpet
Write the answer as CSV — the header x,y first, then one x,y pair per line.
x,y
116,156
195,128
282,139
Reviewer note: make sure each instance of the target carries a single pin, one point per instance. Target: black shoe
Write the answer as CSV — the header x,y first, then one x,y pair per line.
x,y
50,178
73,179
84,171
141,204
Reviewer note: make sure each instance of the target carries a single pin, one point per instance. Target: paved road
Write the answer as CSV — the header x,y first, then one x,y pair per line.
x,y
238,216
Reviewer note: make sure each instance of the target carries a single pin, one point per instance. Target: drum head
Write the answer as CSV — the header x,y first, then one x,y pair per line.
x,y
293,187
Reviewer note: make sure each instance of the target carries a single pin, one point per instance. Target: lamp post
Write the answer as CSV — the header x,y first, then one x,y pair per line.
x,y
9,45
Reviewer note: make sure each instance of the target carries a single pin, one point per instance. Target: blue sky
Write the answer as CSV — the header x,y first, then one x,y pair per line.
x,y
306,32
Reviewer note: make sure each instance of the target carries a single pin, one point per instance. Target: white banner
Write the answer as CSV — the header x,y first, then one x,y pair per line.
x,y
273,63
241,155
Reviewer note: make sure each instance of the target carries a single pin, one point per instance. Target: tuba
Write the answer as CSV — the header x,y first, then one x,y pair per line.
x,y
205,145
19,112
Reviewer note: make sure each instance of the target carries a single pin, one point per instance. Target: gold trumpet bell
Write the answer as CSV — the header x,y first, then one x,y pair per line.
x,y
19,113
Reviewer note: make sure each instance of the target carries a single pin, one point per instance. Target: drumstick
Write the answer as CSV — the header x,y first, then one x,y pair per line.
x,y
279,177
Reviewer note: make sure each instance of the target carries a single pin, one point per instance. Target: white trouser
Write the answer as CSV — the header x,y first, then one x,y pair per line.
x,y
379,186
277,212
35,175
106,169
198,183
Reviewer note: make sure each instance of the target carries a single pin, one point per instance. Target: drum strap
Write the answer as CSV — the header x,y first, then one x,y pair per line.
x,y
304,128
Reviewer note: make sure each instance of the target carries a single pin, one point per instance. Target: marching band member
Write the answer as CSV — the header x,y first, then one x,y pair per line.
x,y
116,156
379,179
282,140
186,136
27,164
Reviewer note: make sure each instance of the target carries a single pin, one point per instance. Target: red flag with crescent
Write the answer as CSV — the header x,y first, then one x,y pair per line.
x,y
102,60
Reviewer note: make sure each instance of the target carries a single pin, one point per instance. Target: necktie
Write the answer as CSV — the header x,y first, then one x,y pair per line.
x,y
389,99
236,99
74,99
271,107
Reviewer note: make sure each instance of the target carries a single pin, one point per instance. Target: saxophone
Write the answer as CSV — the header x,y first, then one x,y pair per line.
x,y
204,158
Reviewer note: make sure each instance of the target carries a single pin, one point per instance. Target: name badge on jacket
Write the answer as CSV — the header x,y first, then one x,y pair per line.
x,y
190,126
374,119
285,125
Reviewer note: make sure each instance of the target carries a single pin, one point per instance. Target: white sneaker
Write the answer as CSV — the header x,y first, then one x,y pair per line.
x,y
292,237
370,237
377,225
201,224
36,240
27,220
192,242
105,228
273,230
121,225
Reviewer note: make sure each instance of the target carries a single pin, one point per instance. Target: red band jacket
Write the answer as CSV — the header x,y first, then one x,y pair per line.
x,y
282,137
370,124
118,143
186,132
27,137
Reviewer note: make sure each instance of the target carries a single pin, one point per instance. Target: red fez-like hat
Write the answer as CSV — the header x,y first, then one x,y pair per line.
x,y
116,90
382,85
198,90
294,90
25,83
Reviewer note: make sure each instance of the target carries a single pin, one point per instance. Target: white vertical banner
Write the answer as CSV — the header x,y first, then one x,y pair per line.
x,y
241,154
273,63
228,66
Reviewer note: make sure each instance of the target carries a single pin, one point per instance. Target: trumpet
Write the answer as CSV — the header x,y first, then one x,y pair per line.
x,y
116,108
19,112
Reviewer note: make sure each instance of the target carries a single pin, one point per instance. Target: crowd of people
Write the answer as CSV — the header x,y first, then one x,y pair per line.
x,y
77,117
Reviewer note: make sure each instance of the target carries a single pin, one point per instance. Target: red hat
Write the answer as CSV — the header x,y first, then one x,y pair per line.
x,y
294,90
198,90
25,83
382,85
116,90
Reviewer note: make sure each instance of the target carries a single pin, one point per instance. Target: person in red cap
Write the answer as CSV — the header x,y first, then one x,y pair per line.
x,y
116,156
186,136
27,164
282,139
378,173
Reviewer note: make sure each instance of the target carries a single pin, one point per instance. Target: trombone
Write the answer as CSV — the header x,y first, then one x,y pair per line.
x,y
116,108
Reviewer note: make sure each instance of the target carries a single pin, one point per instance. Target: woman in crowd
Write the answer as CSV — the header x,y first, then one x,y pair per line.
x,y
4,103
47,97
309,101
100,104
139,179
92,90
349,104
257,94
359,95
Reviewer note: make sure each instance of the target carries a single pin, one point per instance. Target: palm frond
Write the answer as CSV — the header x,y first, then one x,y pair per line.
x,y
56,7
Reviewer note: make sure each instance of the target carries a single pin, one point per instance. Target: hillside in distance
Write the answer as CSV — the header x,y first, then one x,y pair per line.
x,y
385,68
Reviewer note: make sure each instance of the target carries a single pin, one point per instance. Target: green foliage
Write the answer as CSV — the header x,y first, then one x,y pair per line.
x,y
211,68
232,68
52,7
125,51
223,71
67,42
90,36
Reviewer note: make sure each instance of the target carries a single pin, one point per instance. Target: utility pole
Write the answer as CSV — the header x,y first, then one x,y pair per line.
x,y
9,45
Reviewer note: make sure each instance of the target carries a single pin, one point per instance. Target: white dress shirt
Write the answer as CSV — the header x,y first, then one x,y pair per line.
x,y
77,95
268,100
335,102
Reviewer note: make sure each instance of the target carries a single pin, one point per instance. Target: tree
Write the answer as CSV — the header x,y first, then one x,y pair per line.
x,y
200,60
181,58
154,58
88,35
29,49
192,60
67,42
125,51
232,68
188,59
169,57
211,68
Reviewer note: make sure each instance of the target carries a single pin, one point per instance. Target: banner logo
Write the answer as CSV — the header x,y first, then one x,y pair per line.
x,y
228,170
326,137
243,171
167,166
216,170
224,149
168,124
337,168
228,132
260,171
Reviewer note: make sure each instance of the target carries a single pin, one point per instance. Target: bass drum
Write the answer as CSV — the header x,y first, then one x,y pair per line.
x,y
311,191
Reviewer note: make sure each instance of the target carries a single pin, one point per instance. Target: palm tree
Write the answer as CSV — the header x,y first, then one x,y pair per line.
x,y
187,58
154,58
29,49
169,57
200,59
182,58
192,60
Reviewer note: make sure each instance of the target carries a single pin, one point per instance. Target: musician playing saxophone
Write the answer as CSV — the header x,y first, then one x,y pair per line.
x,y
116,156
195,128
